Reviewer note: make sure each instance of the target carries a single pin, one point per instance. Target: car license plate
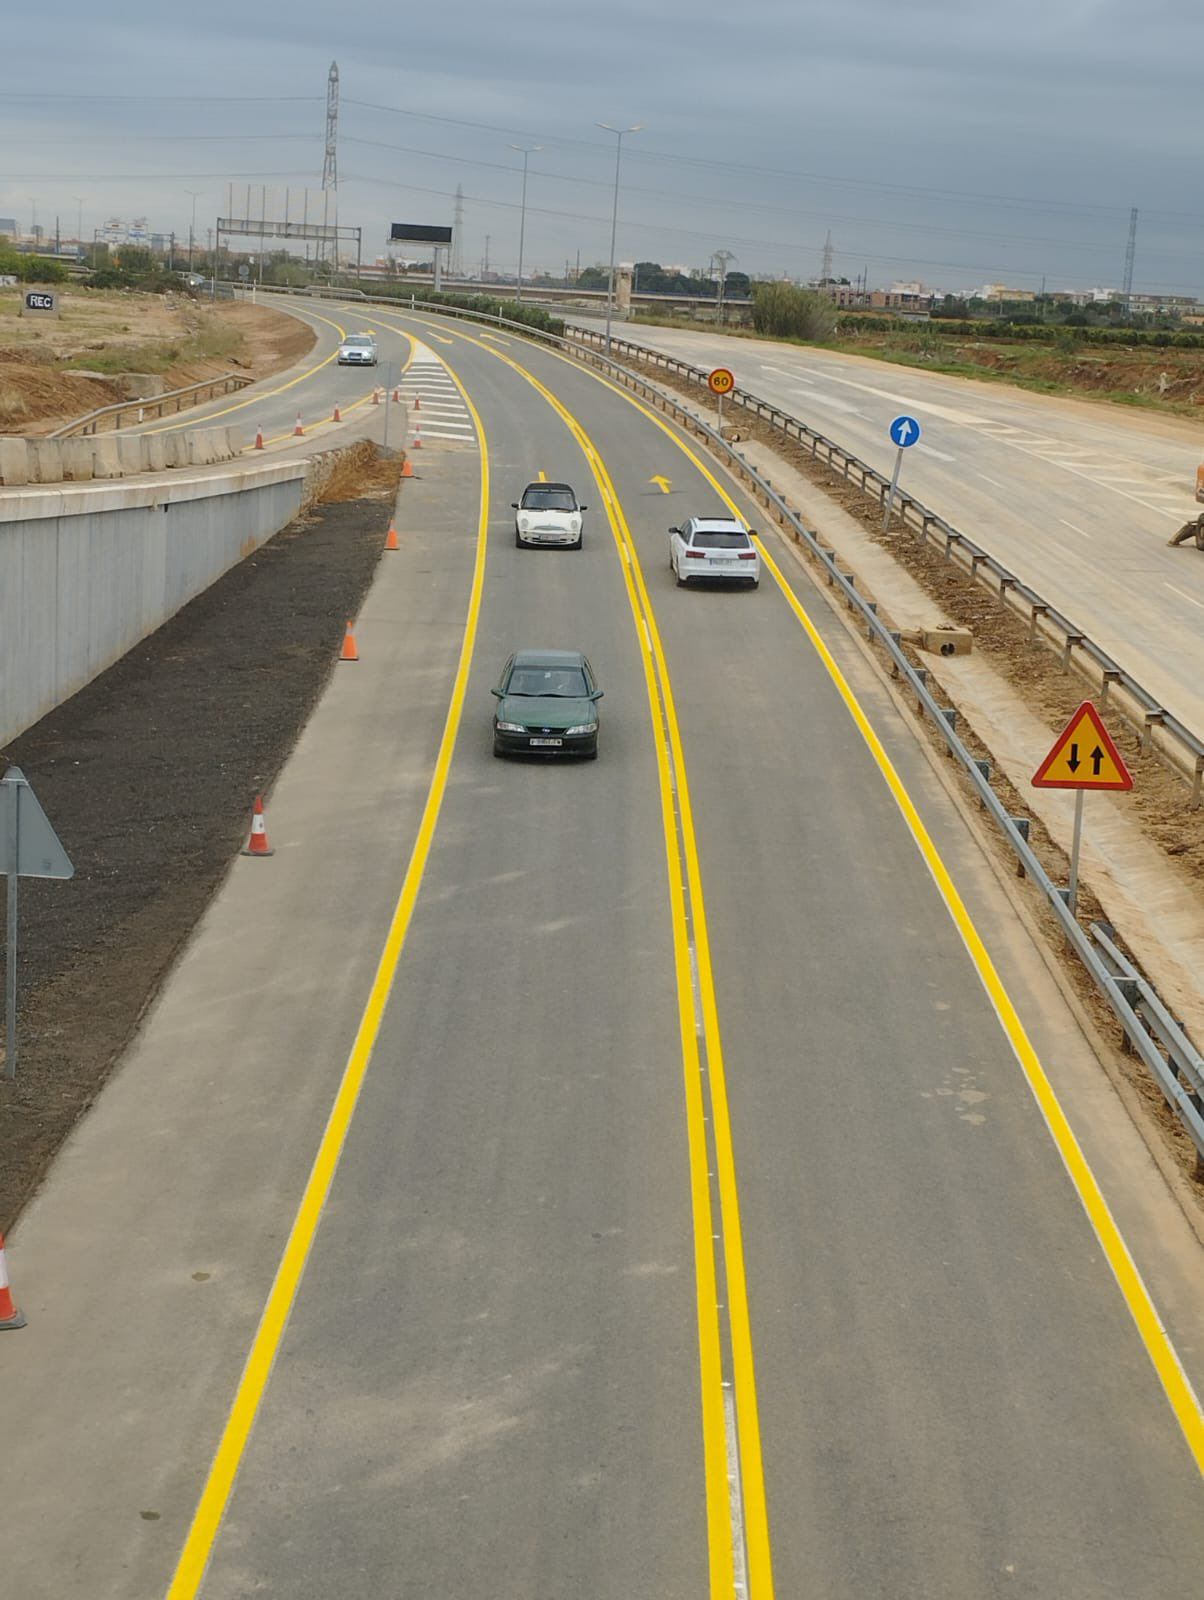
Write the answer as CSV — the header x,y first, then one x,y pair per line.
x,y
728,566
547,741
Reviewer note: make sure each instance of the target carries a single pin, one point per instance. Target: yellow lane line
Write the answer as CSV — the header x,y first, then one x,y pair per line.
x,y
269,394
1184,1401
543,477
355,404
266,394
219,1484
719,1519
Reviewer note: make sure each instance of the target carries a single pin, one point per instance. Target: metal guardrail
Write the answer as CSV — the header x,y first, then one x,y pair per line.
x,y
1148,1029
1158,727
1146,714
153,406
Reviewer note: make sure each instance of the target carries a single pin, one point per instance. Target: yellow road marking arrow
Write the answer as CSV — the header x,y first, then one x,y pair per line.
x,y
665,484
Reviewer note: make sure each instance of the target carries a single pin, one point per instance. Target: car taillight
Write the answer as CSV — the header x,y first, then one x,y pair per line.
x,y
748,555
696,555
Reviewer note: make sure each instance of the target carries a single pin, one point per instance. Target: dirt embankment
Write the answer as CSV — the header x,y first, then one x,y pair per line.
x,y
148,775
114,346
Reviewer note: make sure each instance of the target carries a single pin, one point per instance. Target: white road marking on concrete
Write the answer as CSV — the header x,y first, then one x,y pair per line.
x,y
1186,596
994,481
1073,529
739,1551
931,450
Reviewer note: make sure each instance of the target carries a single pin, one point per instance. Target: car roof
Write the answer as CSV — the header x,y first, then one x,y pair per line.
x,y
549,658
718,524
542,485
359,338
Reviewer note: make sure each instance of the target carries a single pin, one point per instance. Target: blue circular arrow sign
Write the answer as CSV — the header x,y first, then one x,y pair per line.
x,y
905,431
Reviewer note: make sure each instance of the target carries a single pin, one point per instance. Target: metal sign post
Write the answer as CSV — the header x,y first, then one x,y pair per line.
x,y
721,382
384,444
29,848
1083,757
904,431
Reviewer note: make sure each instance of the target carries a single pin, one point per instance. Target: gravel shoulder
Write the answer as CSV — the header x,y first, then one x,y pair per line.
x,y
148,775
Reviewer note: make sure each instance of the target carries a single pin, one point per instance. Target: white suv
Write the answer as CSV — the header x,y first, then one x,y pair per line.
x,y
713,547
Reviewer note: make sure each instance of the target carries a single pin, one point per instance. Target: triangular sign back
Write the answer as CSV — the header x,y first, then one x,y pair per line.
x,y
1083,756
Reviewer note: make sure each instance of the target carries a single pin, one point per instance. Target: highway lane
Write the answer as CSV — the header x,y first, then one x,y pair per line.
x,y
489,1384
1078,499
310,389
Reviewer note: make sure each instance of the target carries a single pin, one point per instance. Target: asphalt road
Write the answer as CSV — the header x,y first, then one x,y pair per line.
x,y
1078,499
696,1231
489,1383
310,389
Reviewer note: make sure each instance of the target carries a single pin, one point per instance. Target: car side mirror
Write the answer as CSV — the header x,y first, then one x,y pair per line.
x,y
496,692
753,534
595,694
674,530
514,505
582,508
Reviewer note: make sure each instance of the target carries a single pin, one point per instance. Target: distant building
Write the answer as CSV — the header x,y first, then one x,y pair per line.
x,y
8,227
1173,305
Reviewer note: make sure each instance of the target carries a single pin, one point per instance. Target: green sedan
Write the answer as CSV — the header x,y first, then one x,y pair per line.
x,y
547,705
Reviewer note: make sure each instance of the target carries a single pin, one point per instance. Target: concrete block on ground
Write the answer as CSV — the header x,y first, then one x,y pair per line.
x,y
176,447
200,447
156,452
14,461
131,452
45,461
77,459
106,461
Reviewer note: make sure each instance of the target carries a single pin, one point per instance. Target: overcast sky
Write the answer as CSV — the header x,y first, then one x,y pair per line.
x,y
951,140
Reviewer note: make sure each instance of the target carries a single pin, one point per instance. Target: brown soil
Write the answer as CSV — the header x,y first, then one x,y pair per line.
x,y
148,775
39,391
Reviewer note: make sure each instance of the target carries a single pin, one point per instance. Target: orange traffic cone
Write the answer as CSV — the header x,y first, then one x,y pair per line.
x,y
298,430
391,540
336,417
396,395
10,1317
417,402
259,438
257,844
417,435
350,650
407,470
376,397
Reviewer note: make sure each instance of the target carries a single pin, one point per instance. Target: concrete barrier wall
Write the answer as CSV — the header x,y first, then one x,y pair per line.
x,y
113,455
86,572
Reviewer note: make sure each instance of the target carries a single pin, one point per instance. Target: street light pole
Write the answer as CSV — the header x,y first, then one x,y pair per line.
x,y
79,225
192,224
614,220
524,151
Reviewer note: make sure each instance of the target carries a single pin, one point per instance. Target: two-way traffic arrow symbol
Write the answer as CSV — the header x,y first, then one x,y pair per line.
x,y
1072,761
1097,760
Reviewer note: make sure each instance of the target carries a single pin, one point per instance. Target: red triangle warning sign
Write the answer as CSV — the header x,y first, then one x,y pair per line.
x,y
1083,757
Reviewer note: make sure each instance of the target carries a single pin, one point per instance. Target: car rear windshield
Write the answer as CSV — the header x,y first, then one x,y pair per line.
x,y
359,343
566,682
549,500
735,540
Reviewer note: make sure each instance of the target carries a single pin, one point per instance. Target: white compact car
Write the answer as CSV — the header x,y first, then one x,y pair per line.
x,y
714,548
547,513
357,350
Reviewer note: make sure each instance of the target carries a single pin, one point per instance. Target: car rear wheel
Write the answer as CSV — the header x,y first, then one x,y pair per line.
x,y
681,582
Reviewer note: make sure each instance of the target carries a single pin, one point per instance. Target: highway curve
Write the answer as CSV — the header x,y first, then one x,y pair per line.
x,y
490,1384
631,1179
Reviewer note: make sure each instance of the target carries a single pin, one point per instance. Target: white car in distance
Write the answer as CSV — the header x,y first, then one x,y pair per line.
x,y
713,548
357,350
547,514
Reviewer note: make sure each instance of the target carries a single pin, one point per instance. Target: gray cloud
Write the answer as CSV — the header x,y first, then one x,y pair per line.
x,y
947,139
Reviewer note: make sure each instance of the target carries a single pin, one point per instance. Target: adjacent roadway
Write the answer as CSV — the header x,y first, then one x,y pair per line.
x,y
1078,499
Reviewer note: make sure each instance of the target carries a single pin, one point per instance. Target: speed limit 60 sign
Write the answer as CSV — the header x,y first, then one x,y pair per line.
x,y
39,303
721,381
